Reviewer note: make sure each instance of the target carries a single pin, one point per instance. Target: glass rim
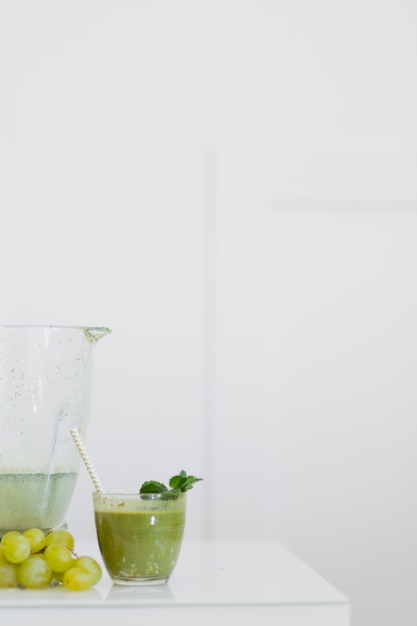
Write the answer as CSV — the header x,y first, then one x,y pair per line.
x,y
135,494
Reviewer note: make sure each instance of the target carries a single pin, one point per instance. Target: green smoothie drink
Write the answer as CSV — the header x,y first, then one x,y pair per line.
x,y
139,535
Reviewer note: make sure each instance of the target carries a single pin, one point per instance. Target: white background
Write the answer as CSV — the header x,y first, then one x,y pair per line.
x,y
230,187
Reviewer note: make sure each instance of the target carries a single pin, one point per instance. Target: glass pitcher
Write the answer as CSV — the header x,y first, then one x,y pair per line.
x,y
45,389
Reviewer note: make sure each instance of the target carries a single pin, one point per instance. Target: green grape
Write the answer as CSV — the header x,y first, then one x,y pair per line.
x,y
16,548
78,579
8,575
34,573
8,571
6,536
61,537
36,538
58,557
91,565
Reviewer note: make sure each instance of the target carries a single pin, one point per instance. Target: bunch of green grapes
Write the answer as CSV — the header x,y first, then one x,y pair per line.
x,y
33,560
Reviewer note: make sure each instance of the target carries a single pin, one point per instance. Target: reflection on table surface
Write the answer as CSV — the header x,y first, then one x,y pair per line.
x,y
135,594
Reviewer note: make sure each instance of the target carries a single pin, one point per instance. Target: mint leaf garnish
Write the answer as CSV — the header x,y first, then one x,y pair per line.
x,y
152,486
178,484
183,482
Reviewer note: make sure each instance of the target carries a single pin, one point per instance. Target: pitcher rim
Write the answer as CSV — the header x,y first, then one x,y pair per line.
x,y
52,326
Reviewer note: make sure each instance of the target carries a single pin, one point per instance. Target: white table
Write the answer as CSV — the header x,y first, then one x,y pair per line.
x,y
231,582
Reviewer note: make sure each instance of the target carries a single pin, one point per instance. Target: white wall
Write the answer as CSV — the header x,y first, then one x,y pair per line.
x,y
230,187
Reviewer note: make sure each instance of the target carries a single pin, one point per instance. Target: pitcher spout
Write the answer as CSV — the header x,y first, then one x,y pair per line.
x,y
95,333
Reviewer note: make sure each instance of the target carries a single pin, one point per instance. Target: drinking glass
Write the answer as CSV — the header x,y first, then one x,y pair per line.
x,y
139,535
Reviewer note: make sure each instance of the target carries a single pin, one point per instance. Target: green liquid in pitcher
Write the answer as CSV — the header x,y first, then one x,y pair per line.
x,y
34,500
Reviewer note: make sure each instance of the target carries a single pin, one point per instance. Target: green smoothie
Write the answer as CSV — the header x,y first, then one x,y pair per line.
x,y
139,536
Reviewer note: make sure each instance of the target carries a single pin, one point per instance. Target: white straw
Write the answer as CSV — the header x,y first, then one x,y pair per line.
x,y
87,462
